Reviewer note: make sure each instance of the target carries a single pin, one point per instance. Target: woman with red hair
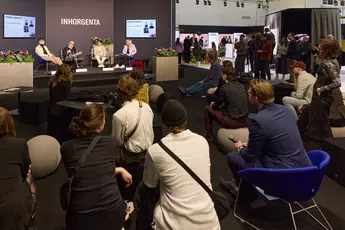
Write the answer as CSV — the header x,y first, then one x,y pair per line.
x,y
137,63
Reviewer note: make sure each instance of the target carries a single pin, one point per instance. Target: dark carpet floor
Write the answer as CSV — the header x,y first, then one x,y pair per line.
x,y
331,196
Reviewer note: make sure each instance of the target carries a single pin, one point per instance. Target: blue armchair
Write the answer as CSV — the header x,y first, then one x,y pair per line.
x,y
42,62
289,185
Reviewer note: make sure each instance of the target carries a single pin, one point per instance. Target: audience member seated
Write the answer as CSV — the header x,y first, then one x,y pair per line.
x,y
183,203
231,103
337,110
133,132
137,63
212,80
43,51
213,92
304,88
129,50
17,203
274,140
100,54
60,86
72,56
314,122
143,94
96,202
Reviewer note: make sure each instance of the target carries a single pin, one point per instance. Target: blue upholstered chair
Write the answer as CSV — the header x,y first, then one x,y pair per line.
x,y
289,185
42,62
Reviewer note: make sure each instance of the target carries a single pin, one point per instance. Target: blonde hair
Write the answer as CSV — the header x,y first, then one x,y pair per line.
x,y
129,41
263,90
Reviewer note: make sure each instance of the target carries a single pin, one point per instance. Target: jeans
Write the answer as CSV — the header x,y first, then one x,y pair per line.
x,y
224,120
265,69
293,103
196,88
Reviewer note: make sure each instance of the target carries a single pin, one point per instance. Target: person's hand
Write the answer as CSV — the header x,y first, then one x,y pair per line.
x,y
238,145
318,90
300,108
201,82
259,51
212,103
245,144
126,176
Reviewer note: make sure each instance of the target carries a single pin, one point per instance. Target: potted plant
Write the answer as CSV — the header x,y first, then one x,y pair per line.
x,y
165,64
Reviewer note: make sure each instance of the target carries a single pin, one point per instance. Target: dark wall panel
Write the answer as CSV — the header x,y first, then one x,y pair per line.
x,y
34,8
59,33
161,10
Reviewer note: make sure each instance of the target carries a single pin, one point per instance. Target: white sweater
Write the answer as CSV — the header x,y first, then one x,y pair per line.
x,y
184,204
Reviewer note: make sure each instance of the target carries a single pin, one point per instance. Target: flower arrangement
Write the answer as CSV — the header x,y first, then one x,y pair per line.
x,y
105,41
166,52
20,56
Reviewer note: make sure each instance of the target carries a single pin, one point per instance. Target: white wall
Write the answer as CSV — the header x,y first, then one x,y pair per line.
x,y
188,13
279,5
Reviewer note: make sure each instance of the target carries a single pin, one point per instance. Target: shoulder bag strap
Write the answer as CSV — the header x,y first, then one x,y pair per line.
x,y
178,160
84,156
127,137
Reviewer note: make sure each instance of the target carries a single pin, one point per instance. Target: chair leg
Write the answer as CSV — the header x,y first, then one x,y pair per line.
x,y
235,209
292,216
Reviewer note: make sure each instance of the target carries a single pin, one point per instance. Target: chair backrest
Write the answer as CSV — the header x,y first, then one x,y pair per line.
x,y
300,184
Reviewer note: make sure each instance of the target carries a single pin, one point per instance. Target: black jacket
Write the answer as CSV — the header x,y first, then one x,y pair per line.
x,y
293,50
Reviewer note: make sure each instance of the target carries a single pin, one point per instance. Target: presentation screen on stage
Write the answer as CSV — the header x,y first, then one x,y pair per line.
x,y
16,26
141,28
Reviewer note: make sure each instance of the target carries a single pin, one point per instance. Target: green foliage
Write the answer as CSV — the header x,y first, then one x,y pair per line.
x,y
197,52
166,52
105,41
21,56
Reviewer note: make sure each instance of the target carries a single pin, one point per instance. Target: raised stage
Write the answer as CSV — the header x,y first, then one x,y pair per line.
x,y
93,77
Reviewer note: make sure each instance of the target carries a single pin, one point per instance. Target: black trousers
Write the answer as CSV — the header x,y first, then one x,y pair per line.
x,y
179,58
122,60
186,55
265,69
306,58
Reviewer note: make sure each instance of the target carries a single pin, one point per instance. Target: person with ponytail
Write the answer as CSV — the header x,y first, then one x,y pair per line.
x,y
96,202
17,191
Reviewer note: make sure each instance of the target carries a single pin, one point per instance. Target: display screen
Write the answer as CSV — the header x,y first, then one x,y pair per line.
x,y
16,26
141,28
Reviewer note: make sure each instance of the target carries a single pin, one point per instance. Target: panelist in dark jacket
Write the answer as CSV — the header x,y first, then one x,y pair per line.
x,y
210,81
72,56
274,139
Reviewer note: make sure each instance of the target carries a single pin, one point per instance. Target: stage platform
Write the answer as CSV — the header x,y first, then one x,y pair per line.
x,y
93,77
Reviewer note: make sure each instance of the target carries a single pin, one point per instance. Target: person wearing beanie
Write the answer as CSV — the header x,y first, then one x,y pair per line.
x,y
183,203
138,116
274,140
303,93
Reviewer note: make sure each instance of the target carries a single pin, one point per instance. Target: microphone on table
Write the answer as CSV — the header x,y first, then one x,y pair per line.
x,y
233,139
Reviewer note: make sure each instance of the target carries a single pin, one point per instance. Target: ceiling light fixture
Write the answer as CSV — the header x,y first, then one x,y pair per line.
x,y
237,4
209,2
242,4
205,2
197,2
259,5
225,3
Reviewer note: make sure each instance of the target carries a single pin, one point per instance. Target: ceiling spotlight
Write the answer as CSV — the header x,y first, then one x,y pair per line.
x,y
225,3
197,2
238,4
177,1
209,2
205,2
242,4
259,5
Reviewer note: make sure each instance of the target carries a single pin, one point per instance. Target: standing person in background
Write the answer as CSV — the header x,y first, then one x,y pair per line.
x,y
201,41
265,58
251,53
133,132
186,49
96,201
214,47
306,50
43,51
100,54
282,62
255,47
193,40
316,53
292,54
314,119
272,39
17,202
241,47
179,50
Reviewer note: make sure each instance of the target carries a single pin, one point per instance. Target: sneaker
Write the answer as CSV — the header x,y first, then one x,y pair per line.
x,y
117,66
129,209
99,66
123,66
182,90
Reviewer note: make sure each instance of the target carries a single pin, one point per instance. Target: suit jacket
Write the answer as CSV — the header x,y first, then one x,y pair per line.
x,y
274,140
132,50
266,53
65,51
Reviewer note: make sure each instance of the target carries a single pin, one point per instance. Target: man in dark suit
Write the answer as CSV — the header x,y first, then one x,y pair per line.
x,y
274,139
186,49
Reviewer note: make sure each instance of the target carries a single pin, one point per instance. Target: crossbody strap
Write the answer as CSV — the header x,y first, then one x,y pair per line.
x,y
127,137
178,160
84,156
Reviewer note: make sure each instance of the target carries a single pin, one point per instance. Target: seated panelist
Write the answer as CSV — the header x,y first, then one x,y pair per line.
x,y
43,51
129,50
72,55
100,54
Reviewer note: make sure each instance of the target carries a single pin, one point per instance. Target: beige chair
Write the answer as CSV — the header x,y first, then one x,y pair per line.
x,y
227,145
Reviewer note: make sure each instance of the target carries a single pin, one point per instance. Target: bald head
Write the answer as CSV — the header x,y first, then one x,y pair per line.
x,y
330,36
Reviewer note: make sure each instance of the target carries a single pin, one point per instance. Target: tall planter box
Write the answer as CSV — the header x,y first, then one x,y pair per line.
x,y
165,68
16,74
